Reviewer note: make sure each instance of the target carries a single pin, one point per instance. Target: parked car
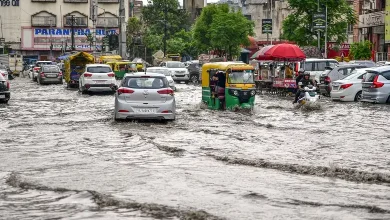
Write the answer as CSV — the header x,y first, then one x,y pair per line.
x,y
97,78
349,89
367,63
376,85
27,70
49,74
4,71
37,67
5,94
145,95
316,66
332,74
166,72
178,71
195,71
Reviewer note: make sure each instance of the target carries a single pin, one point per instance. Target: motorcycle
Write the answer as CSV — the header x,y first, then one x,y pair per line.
x,y
308,95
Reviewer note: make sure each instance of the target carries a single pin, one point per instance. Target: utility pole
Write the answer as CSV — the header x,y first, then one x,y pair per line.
x,y
271,20
51,41
93,17
165,27
72,36
318,32
122,30
326,31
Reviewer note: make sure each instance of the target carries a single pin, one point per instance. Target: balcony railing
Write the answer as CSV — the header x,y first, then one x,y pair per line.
x,y
43,21
109,22
75,1
108,1
43,0
78,21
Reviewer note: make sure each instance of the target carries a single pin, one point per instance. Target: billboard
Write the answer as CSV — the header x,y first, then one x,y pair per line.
x,y
387,23
41,38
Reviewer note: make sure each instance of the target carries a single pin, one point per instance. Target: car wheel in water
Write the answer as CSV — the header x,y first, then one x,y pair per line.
x,y
358,96
388,100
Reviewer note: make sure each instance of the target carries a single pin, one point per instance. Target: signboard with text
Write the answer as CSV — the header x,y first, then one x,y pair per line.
x,y
319,21
42,38
266,26
387,23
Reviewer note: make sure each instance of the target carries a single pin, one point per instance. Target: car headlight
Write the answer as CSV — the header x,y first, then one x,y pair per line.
x,y
253,92
170,81
235,93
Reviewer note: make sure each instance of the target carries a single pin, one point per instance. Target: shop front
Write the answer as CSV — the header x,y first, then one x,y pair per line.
x,y
38,41
372,28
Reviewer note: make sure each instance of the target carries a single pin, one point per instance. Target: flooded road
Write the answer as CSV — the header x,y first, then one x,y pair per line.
x,y
63,156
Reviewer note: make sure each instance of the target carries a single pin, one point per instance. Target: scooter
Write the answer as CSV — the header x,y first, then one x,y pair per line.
x,y
308,95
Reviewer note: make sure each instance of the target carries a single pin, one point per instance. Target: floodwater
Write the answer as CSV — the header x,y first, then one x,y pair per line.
x,y
63,156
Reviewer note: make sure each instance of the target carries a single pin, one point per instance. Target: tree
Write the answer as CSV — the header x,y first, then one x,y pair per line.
x,y
360,50
134,35
297,26
201,32
219,29
153,16
229,31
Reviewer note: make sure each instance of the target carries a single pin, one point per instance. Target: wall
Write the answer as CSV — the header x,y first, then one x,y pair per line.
x,y
10,19
259,9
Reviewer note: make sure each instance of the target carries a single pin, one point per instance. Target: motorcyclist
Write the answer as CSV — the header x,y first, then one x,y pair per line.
x,y
305,81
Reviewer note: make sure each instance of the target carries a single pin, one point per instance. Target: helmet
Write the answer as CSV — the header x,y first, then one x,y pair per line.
x,y
301,71
306,74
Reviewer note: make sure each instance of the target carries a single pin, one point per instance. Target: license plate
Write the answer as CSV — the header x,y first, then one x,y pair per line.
x,y
2,96
146,110
335,87
99,81
51,75
321,81
366,90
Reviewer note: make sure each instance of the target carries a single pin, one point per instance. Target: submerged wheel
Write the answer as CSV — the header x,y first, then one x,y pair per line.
x,y
358,96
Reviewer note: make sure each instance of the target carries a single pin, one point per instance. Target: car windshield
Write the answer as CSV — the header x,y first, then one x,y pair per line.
x,y
243,76
50,69
145,82
162,71
175,65
99,69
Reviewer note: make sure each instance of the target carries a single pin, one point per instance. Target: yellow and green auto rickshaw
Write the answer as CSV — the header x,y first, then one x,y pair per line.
x,y
233,89
74,66
120,68
109,58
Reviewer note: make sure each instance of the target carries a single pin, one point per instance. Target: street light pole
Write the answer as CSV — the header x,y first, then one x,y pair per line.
x,y
165,28
271,20
318,32
326,31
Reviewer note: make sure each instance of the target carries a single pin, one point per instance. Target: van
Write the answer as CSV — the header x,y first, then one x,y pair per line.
x,y
316,66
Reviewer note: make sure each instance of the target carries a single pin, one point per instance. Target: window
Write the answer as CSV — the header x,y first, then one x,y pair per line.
x,y
99,69
361,76
162,71
108,1
43,21
386,75
107,22
77,21
50,69
76,1
176,65
320,66
146,82
350,29
243,76
43,0
308,67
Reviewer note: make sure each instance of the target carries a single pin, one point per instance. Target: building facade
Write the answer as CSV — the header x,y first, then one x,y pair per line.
x,y
33,26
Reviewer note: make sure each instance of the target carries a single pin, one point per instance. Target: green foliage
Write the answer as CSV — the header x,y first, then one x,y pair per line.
x,y
133,29
360,50
298,25
153,16
219,29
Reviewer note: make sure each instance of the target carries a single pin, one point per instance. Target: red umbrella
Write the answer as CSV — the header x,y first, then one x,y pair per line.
x,y
288,52
260,53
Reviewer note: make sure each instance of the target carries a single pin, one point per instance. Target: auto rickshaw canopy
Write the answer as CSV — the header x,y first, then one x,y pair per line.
x,y
110,58
210,68
78,59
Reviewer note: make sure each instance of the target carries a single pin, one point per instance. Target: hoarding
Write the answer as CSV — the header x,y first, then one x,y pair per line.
x,y
42,38
387,23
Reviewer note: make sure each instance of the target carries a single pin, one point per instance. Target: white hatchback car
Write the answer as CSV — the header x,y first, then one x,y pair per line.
x,y
97,78
349,89
145,95
166,72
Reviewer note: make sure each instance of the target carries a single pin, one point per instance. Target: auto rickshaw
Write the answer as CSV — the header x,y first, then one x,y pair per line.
x,y
109,58
120,68
74,66
235,88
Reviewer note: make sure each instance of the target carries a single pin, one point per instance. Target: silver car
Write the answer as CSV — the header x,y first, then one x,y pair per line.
x,y
49,74
376,85
179,71
145,96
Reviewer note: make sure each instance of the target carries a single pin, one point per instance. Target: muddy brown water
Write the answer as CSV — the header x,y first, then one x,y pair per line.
x,y
63,156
